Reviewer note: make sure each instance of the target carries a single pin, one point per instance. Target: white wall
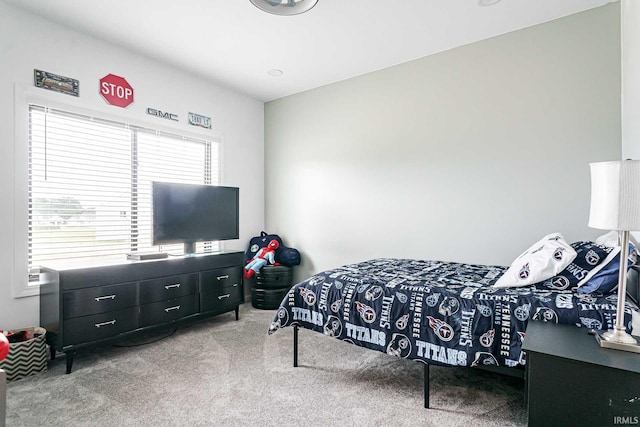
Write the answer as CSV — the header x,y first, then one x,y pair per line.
x,y
630,35
28,42
470,155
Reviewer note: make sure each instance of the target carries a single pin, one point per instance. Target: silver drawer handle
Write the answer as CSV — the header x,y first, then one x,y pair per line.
x,y
111,322
235,285
224,296
226,276
175,285
177,307
105,297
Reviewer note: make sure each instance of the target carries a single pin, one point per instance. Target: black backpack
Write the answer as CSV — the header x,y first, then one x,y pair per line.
x,y
284,255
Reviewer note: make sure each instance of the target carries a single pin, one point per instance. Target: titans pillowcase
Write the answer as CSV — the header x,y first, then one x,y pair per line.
x,y
590,259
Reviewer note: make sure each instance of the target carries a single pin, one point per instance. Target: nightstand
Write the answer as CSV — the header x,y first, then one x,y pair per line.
x,y
571,381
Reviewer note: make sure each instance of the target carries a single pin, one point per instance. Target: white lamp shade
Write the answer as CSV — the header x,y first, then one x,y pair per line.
x,y
615,195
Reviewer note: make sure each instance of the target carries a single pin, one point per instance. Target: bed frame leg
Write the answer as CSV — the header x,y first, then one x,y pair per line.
x,y
426,385
295,346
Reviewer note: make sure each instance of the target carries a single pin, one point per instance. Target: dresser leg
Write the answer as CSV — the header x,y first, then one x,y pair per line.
x,y
237,311
53,352
70,355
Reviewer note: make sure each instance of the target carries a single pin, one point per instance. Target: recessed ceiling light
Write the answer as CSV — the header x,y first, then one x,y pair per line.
x,y
284,7
274,72
487,2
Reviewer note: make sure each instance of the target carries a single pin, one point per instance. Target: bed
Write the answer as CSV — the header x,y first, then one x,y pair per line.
x,y
445,313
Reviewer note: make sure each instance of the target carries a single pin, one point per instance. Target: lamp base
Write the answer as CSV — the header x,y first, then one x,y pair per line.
x,y
618,340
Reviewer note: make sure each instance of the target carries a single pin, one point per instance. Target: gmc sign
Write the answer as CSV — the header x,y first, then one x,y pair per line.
x,y
162,114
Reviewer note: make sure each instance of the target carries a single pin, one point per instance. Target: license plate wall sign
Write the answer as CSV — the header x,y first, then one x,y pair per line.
x,y
198,120
56,82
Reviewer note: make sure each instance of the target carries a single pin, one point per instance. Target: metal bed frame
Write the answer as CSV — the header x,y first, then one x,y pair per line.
x,y
514,372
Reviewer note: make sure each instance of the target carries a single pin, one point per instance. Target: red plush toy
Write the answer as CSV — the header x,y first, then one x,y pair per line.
x,y
263,257
4,346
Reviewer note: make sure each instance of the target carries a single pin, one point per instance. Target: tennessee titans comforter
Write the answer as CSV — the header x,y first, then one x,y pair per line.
x,y
442,313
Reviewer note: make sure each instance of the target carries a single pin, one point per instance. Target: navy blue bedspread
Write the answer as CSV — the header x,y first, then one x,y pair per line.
x,y
442,313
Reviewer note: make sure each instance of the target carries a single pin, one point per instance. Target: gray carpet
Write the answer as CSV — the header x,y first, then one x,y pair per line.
x,y
220,372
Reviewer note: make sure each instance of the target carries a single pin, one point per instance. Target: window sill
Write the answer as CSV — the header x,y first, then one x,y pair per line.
x,y
28,291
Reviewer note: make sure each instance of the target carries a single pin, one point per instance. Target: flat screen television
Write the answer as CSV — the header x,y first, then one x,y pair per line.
x,y
190,213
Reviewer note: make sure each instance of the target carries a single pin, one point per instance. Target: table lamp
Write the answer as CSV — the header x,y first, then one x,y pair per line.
x,y
615,205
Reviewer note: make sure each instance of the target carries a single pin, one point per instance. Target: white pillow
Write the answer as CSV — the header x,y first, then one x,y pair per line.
x,y
542,261
610,239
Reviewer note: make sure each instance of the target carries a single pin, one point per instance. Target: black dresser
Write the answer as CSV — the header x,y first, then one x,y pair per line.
x,y
86,304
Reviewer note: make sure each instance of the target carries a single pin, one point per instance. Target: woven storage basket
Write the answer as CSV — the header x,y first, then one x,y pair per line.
x,y
27,357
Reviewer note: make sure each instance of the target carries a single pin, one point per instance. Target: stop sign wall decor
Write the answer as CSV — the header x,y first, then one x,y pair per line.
x,y
116,90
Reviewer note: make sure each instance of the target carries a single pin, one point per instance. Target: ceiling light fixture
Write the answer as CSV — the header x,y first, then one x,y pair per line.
x,y
487,2
284,7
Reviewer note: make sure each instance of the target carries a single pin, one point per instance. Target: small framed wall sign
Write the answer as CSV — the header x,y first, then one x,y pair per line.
x,y
56,82
198,120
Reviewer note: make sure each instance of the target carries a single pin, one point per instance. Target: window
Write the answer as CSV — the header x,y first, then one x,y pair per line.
x,y
90,185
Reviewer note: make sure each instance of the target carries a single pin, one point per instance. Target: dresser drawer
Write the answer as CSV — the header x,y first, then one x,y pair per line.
x,y
221,298
168,311
102,299
104,325
166,288
213,280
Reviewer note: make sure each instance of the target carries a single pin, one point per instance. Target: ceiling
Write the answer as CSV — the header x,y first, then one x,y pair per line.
x,y
235,44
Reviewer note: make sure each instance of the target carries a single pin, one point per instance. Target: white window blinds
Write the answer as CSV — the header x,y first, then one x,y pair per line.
x,y
90,184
